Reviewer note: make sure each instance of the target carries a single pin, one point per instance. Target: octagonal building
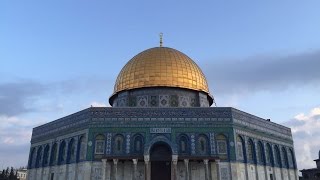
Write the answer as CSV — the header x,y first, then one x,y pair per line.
x,y
161,126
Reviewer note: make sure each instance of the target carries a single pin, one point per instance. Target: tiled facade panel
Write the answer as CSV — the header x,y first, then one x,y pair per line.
x,y
206,137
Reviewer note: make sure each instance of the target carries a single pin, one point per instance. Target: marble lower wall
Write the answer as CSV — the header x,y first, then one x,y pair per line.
x,y
197,171
261,171
80,171
181,171
242,171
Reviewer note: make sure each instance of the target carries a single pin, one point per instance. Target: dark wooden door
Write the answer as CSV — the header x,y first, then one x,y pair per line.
x,y
160,170
160,162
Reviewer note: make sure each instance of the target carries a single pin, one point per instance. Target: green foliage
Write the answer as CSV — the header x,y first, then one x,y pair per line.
x,y
9,174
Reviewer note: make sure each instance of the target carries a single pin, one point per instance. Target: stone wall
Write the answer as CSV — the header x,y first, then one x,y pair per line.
x,y
79,171
124,170
242,171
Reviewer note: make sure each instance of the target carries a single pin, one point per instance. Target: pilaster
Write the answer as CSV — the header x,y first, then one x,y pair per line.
x,y
135,163
206,166
115,169
147,172
104,169
186,165
174,173
218,168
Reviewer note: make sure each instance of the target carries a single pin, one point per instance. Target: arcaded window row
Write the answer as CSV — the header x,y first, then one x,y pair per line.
x,y
56,153
265,153
199,144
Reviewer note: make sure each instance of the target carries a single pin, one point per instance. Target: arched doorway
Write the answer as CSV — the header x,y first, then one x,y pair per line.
x,y
160,156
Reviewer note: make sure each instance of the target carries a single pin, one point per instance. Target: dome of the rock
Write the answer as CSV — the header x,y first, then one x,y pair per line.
x,y
161,67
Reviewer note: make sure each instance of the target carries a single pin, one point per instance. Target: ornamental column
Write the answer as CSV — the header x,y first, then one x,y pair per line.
x,y
135,163
174,167
147,169
205,162
106,170
218,168
115,169
186,166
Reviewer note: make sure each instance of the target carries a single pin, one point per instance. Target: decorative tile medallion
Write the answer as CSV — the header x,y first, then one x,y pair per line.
x,y
212,144
184,101
108,146
142,101
174,101
164,100
128,143
154,101
193,144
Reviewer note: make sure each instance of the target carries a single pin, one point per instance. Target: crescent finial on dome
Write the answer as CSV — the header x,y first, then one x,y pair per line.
x,y
161,35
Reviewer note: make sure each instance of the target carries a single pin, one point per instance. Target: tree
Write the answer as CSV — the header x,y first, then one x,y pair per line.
x,y
7,172
2,175
11,175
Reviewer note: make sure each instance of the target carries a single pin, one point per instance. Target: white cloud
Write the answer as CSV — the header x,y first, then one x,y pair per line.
x,y
306,134
8,140
315,111
14,130
15,135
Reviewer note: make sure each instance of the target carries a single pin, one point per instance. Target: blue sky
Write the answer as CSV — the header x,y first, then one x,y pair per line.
x,y
59,57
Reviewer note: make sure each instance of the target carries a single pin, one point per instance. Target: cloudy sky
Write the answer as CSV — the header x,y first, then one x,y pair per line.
x,y
59,57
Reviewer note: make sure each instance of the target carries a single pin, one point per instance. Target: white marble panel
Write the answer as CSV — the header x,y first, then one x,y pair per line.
x,y
251,172
261,172
128,170
224,171
181,171
140,169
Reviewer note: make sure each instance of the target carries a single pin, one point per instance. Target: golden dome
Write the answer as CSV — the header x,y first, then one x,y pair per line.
x,y
161,67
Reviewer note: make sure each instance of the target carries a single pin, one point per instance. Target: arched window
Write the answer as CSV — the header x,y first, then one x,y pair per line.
x,y
292,159
46,155
32,156
240,146
138,144
269,156
99,145
250,151
82,148
285,157
54,152
183,144
203,144
222,144
260,153
62,152
71,151
39,157
277,156
118,144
